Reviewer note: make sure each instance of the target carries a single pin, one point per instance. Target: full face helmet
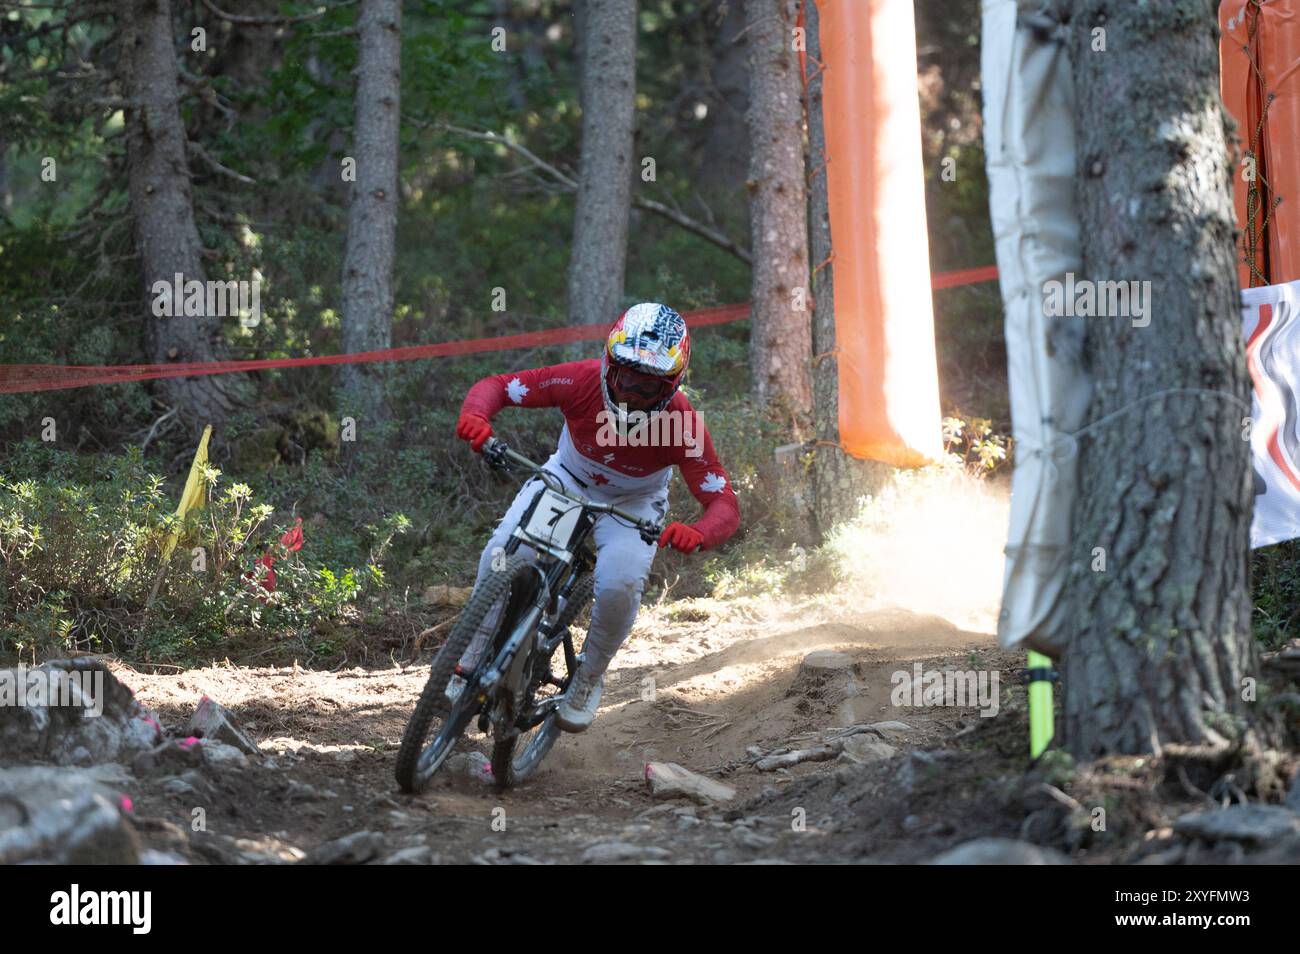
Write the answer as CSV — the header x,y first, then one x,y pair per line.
x,y
646,355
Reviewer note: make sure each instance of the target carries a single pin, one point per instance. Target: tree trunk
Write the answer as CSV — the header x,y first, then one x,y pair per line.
x,y
607,87
780,343
372,209
1163,638
724,138
6,194
162,211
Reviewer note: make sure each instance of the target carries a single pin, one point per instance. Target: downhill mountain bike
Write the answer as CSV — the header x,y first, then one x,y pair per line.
x,y
527,606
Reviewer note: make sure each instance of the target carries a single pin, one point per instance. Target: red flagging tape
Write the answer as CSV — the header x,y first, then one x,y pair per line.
x,y
20,378
967,276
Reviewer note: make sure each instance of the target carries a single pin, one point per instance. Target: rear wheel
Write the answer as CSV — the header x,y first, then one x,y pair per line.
x,y
417,762
516,755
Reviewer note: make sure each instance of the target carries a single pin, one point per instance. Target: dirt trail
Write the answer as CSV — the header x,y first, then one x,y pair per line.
x,y
722,674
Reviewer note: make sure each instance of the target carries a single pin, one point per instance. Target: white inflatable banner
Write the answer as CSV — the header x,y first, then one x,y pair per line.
x,y
1271,327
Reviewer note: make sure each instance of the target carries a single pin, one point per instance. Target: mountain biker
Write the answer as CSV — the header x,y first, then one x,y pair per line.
x,y
633,384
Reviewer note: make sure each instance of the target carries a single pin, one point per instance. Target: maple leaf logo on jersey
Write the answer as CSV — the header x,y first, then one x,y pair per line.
x,y
517,389
713,483
600,480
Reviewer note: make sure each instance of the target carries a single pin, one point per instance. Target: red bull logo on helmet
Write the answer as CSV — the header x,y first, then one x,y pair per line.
x,y
649,336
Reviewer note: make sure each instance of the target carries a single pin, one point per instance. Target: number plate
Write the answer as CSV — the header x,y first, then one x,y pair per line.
x,y
553,520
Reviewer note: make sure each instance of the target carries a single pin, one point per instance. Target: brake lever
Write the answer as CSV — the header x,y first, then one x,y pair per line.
x,y
494,453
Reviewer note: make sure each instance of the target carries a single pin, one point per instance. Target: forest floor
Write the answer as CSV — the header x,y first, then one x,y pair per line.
x,y
728,687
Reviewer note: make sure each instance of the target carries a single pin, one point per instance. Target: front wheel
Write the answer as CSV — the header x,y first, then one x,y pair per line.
x,y
516,755
490,601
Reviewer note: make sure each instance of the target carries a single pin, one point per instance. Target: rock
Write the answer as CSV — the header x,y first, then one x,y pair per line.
x,y
151,857
609,852
670,780
863,749
415,855
753,839
71,712
354,849
999,851
222,755
64,816
212,721
178,755
472,766
1252,823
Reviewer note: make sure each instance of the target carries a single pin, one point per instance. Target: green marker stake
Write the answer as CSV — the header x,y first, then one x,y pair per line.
x,y
1041,717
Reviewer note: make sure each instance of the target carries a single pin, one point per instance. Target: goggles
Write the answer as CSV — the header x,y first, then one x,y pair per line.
x,y
638,390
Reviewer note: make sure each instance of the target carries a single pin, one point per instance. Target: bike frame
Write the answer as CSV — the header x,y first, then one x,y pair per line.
x,y
558,566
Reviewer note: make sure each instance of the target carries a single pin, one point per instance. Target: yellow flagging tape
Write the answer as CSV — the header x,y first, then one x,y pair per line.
x,y
192,496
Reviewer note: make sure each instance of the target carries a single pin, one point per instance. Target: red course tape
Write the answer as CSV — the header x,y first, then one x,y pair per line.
x,y
21,378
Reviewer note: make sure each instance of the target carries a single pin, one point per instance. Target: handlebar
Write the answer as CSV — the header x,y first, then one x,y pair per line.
x,y
498,454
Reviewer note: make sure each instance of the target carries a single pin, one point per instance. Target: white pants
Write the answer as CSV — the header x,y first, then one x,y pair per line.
x,y
622,562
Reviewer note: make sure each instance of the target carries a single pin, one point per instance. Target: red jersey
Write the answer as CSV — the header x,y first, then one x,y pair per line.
x,y
637,458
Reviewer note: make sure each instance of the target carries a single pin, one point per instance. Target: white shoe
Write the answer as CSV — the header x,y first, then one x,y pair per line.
x,y
580,703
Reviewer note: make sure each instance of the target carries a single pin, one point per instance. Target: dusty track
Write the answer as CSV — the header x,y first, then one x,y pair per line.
x,y
722,674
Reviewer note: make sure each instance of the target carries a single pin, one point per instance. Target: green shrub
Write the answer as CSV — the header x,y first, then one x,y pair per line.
x,y
81,561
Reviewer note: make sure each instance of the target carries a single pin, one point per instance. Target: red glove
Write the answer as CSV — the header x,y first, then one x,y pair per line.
x,y
475,429
681,536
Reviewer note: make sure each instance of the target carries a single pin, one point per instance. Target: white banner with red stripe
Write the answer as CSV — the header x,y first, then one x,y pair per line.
x,y
1271,327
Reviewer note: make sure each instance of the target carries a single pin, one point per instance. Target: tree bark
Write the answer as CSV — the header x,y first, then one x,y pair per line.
x,y
725,136
372,209
780,324
839,481
162,212
607,87
1163,638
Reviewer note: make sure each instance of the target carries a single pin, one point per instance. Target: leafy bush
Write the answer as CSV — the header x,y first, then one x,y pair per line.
x,y
81,561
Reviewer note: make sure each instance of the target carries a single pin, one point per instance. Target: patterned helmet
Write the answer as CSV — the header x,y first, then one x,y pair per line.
x,y
646,355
